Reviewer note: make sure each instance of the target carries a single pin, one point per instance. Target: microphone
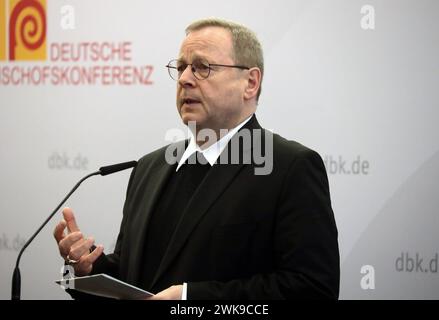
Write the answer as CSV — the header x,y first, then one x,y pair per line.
x,y
103,171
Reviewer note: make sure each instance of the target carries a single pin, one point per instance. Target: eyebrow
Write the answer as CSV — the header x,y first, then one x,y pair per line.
x,y
194,57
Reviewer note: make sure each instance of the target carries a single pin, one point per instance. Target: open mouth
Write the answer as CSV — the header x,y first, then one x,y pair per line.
x,y
190,101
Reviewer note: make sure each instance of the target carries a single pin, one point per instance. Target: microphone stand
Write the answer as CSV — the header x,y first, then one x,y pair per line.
x,y
16,277
103,171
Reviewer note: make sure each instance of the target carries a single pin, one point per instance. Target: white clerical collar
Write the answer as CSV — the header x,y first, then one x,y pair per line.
x,y
213,152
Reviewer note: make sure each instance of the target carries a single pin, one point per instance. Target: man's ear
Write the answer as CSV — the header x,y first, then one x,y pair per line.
x,y
253,83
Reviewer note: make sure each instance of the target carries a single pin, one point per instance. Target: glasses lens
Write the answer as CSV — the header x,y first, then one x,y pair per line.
x,y
201,69
173,69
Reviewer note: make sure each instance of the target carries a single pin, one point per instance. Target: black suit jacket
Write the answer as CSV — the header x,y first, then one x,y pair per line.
x,y
242,236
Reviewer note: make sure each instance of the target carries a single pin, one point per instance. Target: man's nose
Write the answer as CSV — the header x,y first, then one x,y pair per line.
x,y
187,77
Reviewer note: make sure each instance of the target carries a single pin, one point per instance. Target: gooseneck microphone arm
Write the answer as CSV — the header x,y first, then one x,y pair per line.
x,y
16,277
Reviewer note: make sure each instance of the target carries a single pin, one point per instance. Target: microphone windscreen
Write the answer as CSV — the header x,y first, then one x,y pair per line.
x,y
117,167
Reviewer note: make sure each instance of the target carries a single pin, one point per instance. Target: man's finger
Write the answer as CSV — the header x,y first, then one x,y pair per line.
x,y
85,266
81,248
66,243
58,233
69,217
95,254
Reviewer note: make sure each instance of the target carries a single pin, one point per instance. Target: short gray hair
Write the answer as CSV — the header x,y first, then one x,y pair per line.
x,y
247,49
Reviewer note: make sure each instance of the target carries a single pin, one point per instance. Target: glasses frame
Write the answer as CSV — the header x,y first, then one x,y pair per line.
x,y
194,70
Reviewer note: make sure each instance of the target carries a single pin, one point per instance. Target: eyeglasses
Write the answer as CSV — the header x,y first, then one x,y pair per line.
x,y
199,67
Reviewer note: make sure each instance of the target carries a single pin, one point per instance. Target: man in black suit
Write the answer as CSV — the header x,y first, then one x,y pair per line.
x,y
204,218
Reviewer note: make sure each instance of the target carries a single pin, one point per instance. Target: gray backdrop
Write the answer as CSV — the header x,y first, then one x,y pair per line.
x,y
365,99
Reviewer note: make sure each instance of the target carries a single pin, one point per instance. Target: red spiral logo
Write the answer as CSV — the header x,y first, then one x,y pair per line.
x,y
27,38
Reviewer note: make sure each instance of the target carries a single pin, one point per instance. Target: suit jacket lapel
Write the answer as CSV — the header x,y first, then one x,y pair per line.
x,y
216,181
156,177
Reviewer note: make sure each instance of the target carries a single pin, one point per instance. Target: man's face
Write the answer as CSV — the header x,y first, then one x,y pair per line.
x,y
218,101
